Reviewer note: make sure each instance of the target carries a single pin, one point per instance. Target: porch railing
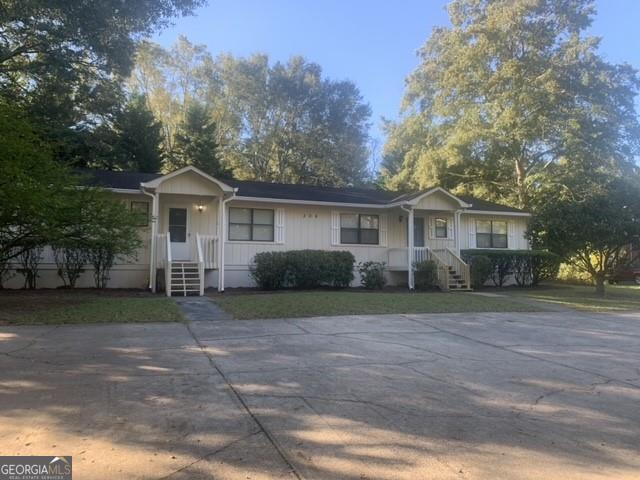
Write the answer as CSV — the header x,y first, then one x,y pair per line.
x,y
398,261
208,246
451,258
161,250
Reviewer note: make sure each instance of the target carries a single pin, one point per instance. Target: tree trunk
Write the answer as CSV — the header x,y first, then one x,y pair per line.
x,y
600,285
521,175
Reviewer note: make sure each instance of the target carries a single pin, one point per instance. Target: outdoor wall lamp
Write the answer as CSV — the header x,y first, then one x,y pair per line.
x,y
200,208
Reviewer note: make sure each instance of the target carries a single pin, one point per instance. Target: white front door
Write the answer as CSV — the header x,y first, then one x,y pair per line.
x,y
179,231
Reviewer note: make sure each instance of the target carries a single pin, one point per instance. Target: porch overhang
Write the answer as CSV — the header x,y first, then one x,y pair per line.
x,y
157,182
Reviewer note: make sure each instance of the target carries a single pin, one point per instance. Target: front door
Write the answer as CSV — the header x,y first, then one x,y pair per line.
x,y
178,221
418,232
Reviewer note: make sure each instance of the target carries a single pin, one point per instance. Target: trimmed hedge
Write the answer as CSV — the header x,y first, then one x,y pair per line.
x,y
302,269
372,275
528,267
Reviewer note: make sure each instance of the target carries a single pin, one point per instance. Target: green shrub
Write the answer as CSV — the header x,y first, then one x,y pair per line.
x,y
528,267
426,275
340,269
270,270
481,268
544,266
302,269
372,275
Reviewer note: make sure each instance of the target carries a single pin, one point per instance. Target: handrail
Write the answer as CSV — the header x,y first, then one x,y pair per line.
x,y
461,266
200,262
426,253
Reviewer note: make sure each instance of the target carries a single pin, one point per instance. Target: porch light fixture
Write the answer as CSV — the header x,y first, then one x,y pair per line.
x,y
200,207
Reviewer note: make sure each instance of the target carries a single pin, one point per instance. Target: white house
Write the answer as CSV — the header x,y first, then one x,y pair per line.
x,y
204,232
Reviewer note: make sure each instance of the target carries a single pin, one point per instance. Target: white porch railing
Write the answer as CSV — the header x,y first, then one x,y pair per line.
x,y
208,246
161,250
451,258
199,246
444,258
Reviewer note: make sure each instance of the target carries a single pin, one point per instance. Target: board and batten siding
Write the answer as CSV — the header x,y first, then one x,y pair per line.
x,y
516,230
309,227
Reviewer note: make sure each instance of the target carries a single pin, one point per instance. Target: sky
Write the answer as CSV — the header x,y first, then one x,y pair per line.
x,y
370,42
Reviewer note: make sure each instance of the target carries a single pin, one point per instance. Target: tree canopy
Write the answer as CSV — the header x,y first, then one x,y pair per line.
x,y
590,222
276,122
509,90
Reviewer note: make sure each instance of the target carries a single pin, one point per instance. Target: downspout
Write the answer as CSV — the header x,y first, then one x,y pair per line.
x,y
409,210
223,238
154,234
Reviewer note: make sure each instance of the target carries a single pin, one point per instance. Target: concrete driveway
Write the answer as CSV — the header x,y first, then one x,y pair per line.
x,y
551,395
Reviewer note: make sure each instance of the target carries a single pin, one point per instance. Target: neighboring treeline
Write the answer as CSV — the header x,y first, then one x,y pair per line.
x,y
63,65
513,103
280,122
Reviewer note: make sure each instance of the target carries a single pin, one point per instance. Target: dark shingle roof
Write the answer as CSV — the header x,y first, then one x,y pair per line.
x,y
483,205
312,193
109,179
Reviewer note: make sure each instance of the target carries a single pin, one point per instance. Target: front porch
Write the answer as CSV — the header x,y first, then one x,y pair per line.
x,y
188,221
453,273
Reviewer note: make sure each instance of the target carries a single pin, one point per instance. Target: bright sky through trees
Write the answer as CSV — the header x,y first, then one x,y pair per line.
x,y
371,42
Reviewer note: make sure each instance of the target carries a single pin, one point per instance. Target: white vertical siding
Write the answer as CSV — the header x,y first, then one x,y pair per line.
x,y
516,229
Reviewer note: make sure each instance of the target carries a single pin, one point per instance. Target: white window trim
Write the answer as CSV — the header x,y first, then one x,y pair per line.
x,y
251,242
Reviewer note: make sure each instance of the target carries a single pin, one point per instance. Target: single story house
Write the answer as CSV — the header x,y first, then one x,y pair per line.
x,y
203,232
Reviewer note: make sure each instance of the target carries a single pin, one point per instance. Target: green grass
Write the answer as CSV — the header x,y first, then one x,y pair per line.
x,y
72,307
321,303
617,297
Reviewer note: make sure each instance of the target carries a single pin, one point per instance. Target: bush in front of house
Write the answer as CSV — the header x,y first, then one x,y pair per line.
x,y
372,275
528,267
270,270
481,268
426,275
302,269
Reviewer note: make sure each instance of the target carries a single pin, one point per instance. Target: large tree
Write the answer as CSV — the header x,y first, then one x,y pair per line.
x,y
589,221
196,143
63,60
138,138
274,122
509,89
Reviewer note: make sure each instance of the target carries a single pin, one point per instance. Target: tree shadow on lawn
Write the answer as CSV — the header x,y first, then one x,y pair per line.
x,y
143,401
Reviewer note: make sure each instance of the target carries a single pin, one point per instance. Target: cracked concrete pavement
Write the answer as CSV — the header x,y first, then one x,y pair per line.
x,y
464,396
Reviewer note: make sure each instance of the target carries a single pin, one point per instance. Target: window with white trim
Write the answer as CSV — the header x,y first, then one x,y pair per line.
x,y
441,228
251,224
359,229
491,234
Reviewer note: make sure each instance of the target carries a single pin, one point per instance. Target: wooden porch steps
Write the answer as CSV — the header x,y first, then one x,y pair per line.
x,y
456,282
185,278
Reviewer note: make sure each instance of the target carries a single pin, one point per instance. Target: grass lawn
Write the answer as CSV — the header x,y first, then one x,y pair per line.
x,y
617,297
325,303
69,306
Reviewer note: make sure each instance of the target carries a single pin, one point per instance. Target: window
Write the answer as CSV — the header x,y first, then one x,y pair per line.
x,y
141,210
441,228
359,229
251,224
490,234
